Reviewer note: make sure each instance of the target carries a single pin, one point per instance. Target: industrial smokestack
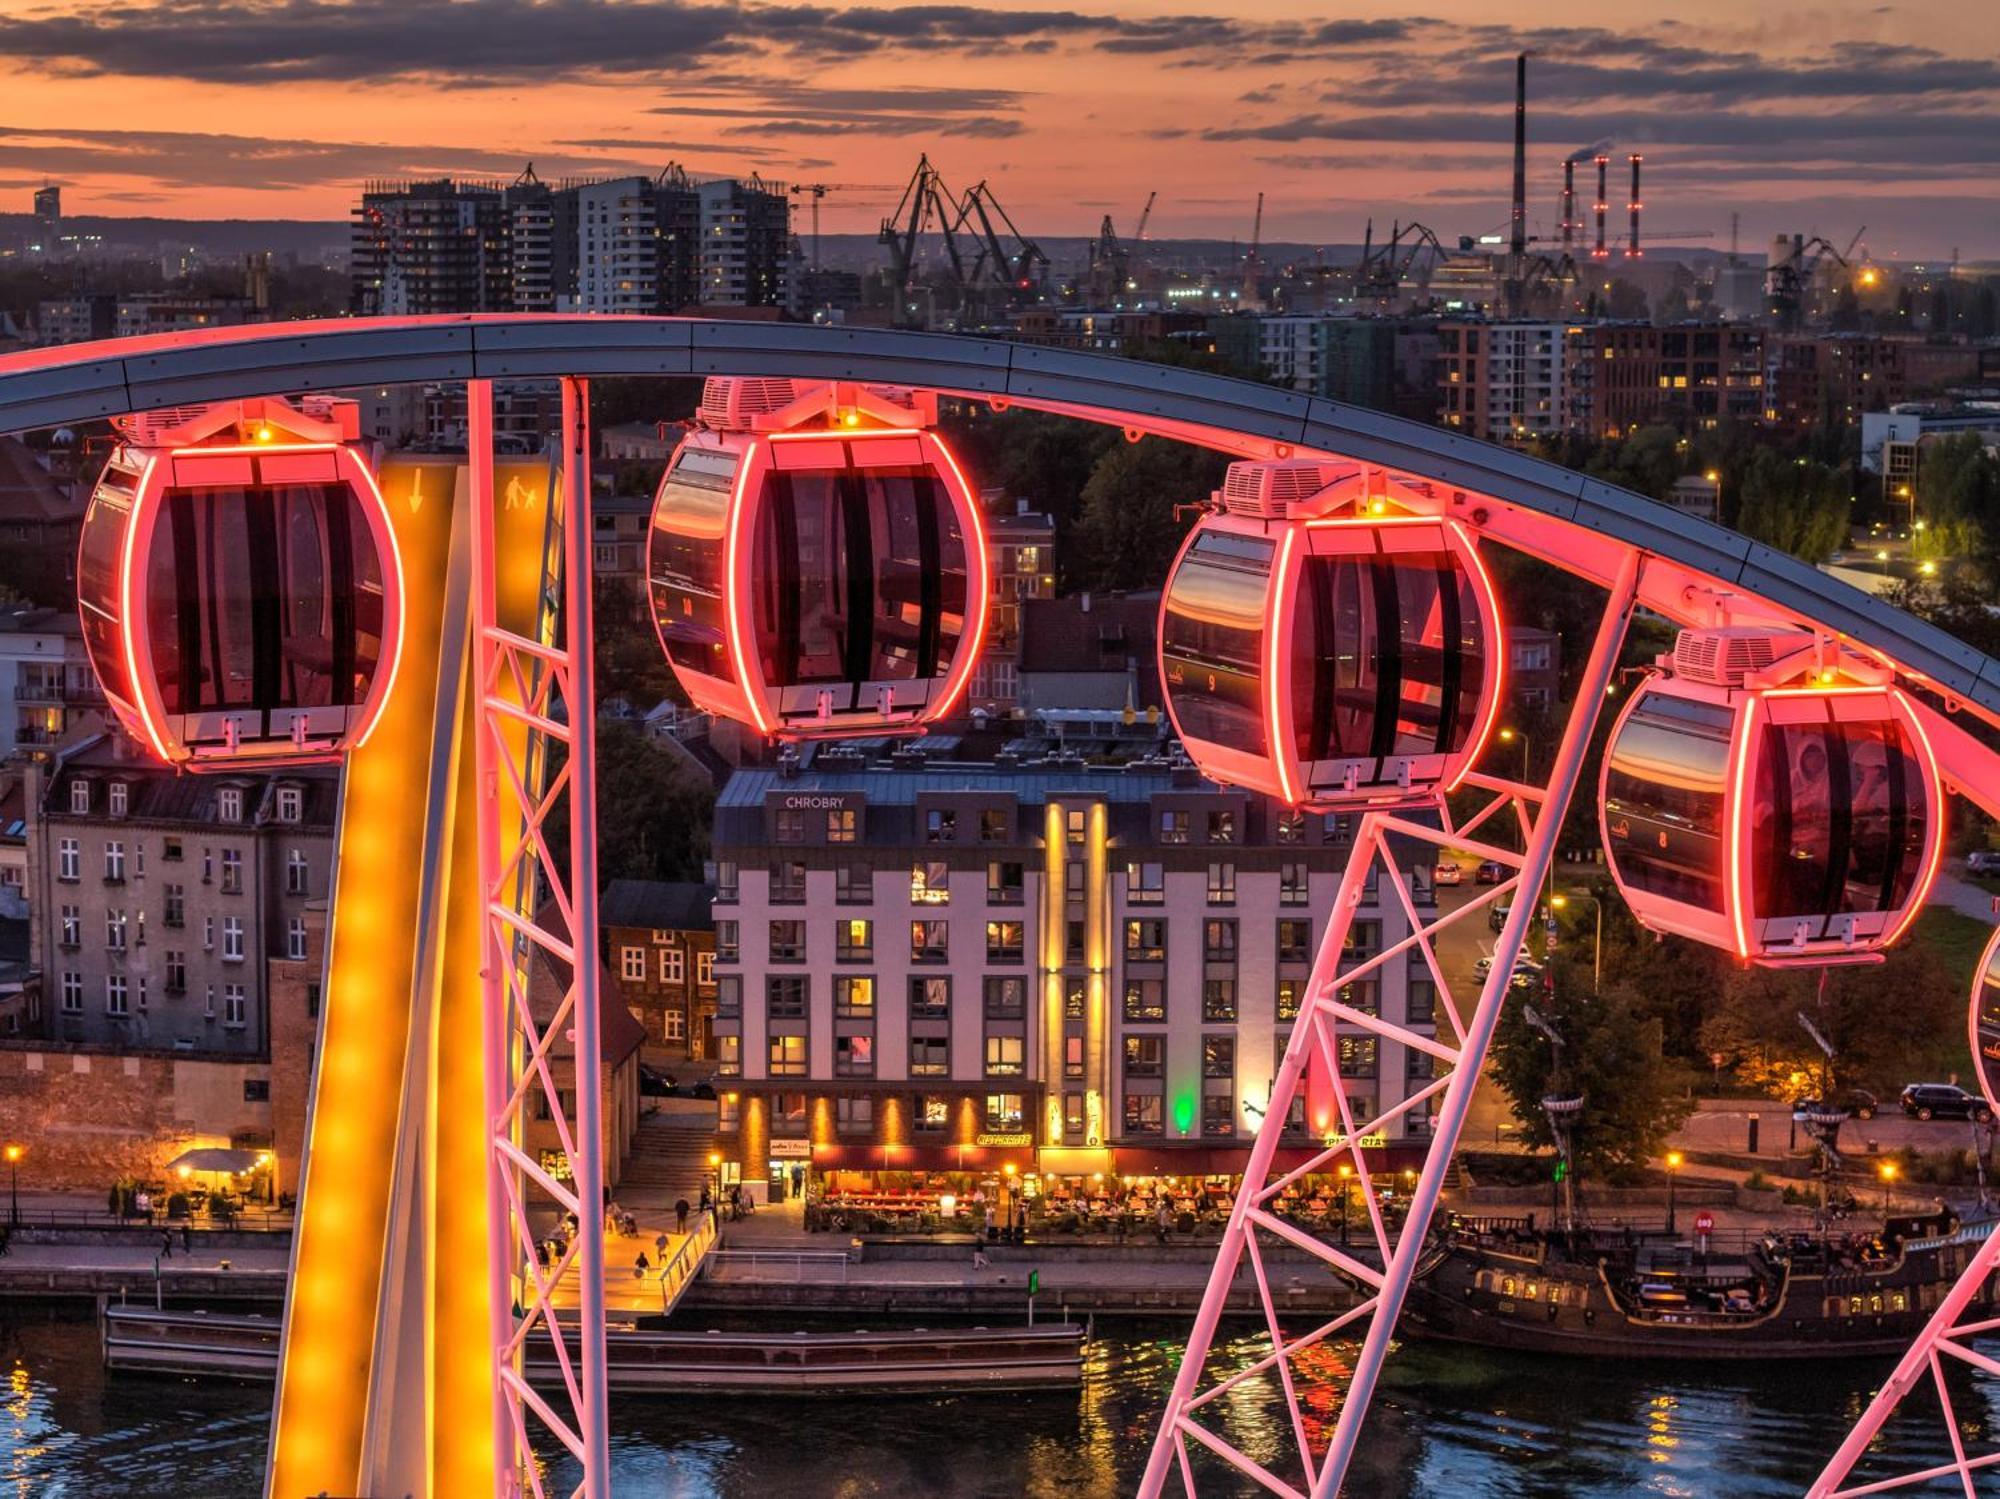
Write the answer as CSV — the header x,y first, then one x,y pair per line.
x,y
1517,243
1633,251
1569,204
1603,188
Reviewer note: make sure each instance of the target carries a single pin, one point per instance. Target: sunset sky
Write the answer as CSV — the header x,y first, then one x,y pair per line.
x,y
1802,117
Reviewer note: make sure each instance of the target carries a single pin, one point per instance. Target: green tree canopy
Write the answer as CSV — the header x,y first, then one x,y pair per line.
x,y
1635,1095
1128,531
1796,505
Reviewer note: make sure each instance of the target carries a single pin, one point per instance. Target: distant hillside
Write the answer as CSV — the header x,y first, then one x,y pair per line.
x,y
303,237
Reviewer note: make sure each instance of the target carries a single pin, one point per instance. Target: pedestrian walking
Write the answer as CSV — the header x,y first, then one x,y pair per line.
x,y
707,1200
166,1244
187,1238
1164,1219
680,1222
989,1220
979,1256
640,1266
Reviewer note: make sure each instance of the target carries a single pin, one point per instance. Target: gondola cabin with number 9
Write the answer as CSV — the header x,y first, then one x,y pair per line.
x,y
1773,795
817,564
1329,638
238,584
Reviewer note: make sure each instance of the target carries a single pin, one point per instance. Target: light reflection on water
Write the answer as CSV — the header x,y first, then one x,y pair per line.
x,y
1451,1421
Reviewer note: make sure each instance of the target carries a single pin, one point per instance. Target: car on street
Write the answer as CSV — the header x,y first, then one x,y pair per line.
x,y
1496,917
1448,874
1489,872
1983,861
1944,1101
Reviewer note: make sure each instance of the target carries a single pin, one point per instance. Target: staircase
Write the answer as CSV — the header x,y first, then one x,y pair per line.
x,y
670,1155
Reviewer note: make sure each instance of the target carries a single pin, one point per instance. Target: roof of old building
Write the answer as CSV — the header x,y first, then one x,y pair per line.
x,y
664,905
159,794
28,492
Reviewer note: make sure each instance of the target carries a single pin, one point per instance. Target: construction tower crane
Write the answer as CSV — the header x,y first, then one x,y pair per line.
x,y
821,189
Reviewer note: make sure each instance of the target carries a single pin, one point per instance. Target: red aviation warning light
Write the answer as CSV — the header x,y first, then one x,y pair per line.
x,y
817,560
239,586
1326,638
1769,794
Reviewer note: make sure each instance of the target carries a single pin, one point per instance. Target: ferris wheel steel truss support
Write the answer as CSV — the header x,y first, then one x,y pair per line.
x,y
1312,1060
1943,1336
535,698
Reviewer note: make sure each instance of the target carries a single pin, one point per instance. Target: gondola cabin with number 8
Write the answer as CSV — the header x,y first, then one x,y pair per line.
x,y
238,584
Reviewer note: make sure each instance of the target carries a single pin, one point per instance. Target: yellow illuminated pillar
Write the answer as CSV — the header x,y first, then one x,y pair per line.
x,y
347,1181
1097,953
1054,933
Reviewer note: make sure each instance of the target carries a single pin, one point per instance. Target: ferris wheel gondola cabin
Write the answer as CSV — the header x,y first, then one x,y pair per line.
x,y
1774,795
238,583
817,561
1328,638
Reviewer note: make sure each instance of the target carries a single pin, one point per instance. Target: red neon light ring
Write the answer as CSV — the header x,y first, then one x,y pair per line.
x,y
735,569
1277,702
1933,856
1740,891
971,642
1496,676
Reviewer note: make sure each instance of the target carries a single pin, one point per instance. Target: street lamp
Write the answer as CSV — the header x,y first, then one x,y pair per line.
x,y
14,1154
715,1176
1597,939
1674,1159
1888,1174
1345,1172
1508,736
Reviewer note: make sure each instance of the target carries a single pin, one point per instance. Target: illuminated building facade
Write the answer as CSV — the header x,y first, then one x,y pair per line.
x,y
162,901
1505,382
1064,968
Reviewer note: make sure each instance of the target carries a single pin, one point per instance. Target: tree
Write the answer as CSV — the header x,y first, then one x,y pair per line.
x,y
1799,507
1635,1096
654,811
1886,1022
1128,531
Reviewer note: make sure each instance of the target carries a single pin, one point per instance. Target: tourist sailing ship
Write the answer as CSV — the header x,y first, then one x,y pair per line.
x,y
1752,1294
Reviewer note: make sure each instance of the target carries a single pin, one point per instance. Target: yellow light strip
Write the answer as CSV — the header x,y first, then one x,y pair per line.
x,y
350,1151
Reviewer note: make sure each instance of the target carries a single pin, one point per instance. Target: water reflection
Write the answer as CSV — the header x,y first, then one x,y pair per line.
x,y
1449,1421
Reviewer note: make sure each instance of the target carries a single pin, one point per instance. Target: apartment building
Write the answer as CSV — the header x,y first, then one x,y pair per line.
x,y
1020,560
643,245
1832,379
658,937
1692,376
47,686
1503,381
162,903
1070,969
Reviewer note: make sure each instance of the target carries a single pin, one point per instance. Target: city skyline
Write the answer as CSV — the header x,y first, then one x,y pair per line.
x,y
1823,121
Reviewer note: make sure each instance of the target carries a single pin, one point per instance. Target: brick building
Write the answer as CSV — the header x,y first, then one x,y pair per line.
x,y
1069,969
1835,377
1691,376
658,937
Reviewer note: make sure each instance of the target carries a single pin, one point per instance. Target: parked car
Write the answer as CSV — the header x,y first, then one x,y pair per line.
x,y
1489,872
1944,1101
1496,917
1448,874
1858,1103
1983,861
653,1083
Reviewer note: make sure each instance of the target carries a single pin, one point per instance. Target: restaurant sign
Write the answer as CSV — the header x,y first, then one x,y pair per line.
x,y
791,1150
1370,1142
1020,1137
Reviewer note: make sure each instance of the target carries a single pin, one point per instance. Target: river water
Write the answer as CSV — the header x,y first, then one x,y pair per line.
x,y
1451,1422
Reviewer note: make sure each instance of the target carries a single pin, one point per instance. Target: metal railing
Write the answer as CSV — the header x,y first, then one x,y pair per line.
x,y
686,1262
799,1260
